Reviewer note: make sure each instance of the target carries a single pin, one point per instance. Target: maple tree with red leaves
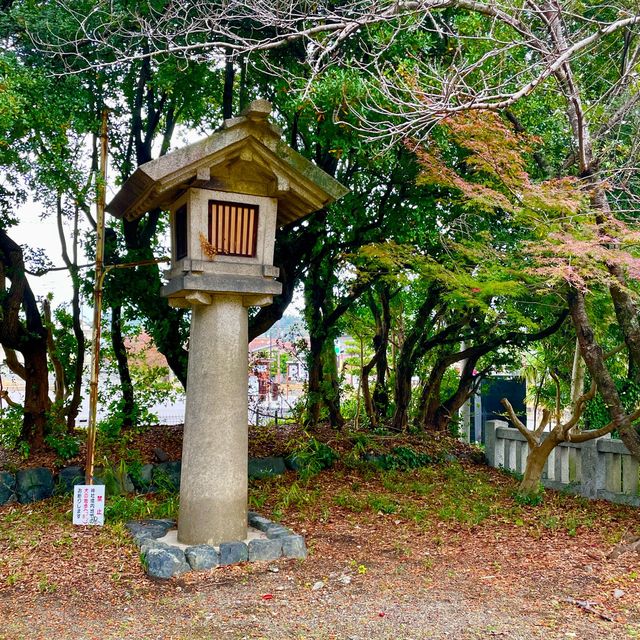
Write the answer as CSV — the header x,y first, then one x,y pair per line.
x,y
573,249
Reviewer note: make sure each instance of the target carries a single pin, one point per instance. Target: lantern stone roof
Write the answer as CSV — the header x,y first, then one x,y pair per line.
x,y
247,155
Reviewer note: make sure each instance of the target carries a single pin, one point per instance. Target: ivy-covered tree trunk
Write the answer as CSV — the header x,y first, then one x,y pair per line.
x,y
314,368
330,385
377,405
320,320
402,389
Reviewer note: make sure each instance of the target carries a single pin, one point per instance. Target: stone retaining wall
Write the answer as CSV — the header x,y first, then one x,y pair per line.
x,y
31,485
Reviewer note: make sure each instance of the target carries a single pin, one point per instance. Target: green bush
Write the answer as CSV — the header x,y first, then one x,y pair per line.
x,y
64,445
350,407
312,456
529,499
10,427
125,508
402,458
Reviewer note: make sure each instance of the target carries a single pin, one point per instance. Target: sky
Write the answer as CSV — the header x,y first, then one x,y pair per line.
x,y
43,234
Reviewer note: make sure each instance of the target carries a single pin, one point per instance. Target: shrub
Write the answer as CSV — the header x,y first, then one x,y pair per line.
x,y
10,427
312,456
64,445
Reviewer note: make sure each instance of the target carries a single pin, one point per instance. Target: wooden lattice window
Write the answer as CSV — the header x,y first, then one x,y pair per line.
x,y
233,228
180,224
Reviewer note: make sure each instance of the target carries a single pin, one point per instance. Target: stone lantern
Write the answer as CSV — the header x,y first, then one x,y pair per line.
x,y
226,195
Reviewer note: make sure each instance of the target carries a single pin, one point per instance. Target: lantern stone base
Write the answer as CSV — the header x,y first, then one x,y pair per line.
x,y
165,557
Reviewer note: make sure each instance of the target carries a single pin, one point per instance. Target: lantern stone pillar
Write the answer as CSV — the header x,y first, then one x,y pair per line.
x,y
226,195
213,485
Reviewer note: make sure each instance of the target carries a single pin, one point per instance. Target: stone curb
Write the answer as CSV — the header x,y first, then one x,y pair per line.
x,y
162,560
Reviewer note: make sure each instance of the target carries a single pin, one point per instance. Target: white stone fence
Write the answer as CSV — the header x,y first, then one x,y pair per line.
x,y
597,469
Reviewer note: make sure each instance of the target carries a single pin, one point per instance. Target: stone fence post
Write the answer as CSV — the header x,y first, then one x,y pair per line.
x,y
593,469
490,443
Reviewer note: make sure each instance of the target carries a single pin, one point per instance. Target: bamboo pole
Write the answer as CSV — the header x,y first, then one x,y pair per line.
x,y
97,301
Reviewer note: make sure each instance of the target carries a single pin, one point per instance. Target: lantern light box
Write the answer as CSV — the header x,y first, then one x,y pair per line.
x,y
221,242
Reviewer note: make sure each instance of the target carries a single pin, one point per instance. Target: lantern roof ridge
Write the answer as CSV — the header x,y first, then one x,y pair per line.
x,y
246,155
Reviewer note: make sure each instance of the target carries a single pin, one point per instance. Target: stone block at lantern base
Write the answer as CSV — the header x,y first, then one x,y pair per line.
x,y
232,552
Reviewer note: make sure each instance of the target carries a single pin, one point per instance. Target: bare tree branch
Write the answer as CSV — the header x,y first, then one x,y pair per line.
x,y
11,360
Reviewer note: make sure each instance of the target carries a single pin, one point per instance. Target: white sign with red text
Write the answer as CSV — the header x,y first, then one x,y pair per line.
x,y
88,504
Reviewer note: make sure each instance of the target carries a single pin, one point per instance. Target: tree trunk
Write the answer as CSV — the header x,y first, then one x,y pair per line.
x,y
380,343
22,330
227,92
537,458
430,398
330,386
73,407
402,392
314,366
36,394
377,406
594,359
433,412
71,261
367,399
623,300
578,372
127,409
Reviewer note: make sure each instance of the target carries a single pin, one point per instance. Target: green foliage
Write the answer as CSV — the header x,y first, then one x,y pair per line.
x,y
352,406
472,498
596,414
312,456
529,499
362,443
401,458
152,385
437,492
382,503
296,496
349,500
126,507
65,342
117,418
65,445
164,483
114,477
10,426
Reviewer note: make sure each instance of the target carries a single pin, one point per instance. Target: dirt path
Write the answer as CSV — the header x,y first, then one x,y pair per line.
x,y
394,603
